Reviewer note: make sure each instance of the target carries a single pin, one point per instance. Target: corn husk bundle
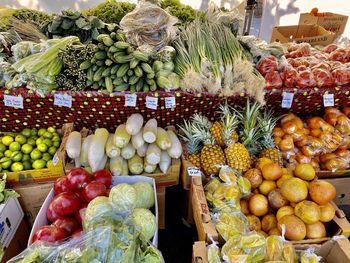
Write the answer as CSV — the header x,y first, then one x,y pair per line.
x,y
134,148
210,57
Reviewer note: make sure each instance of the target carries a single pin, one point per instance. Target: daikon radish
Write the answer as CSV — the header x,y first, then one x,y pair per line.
x,y
102,164
84,151
135,164
73,147
97,148
163,139
149,168
165,162
111,150
175,150
137,140
134,123
150,131
142,150
153,154
125,168
121,136
116,165
128,151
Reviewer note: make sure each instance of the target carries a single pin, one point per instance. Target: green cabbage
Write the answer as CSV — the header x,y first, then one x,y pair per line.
x,y
123,198
144,195
99,212
145,221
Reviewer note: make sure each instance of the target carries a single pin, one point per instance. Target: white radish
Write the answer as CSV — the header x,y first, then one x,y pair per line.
x,y
125,168
116,165
73,147
128,151
175,150
112,150
142,150
153,154
165,162
84,151
134,123
137,140
135,164
121,136
97,148
163,139
150,131
148,168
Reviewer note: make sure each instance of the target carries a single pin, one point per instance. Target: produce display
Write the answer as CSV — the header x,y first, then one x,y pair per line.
x,y
321,142
30,149
134,148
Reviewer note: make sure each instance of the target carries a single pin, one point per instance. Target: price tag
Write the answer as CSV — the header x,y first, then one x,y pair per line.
x,y
194,171
55,159
13,101
328,100
287,100
170,102
151,102
63,100
130,100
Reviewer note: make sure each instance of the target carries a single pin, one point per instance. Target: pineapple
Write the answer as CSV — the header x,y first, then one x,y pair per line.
x,y
217,130
268,123
212,156
193,146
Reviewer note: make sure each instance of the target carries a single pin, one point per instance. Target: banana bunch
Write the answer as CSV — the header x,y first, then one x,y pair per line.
x,y
117,66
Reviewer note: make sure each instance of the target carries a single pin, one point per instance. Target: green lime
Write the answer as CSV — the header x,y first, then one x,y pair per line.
x,y
34,137
42,147
52,150
2,147
26,132
16,156
5,162
21,139
46,157
1,154
27,165
56,134
41,132
39,164
15,146
8,153
27,148
1,168
56,144
56,138
48,163
51,129
16,167
34,132
48,135
26,157
31,161
7,140
31,142
35,154
48,142
40,140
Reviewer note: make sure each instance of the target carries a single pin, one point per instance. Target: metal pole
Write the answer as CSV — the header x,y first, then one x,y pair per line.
x,y
251,4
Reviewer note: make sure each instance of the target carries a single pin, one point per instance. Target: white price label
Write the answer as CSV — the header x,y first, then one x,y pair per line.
x,y
151,103
130,100
328,100
287,100
13,101
170,102
63,100
55,159
194,171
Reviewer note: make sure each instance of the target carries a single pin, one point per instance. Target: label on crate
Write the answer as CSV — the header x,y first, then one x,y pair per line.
x,y
194,171
13,101
63,100
287,100
151,103
328,100
170,102
55,159
130,100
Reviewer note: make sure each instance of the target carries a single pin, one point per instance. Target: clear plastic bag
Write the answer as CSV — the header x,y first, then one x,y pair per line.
x,y
231,224
213,252
309,256
149,24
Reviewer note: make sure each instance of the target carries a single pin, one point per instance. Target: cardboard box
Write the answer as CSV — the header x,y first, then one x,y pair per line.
x,y
54,171
18,242
32,197
199,252
11,216
343,190
41,219
161,191
330,21
312,34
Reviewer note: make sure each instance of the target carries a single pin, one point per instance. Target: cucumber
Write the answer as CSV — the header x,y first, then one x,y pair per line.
x,y
85,65
98,74
122,87
150,75
132,88
157,65
121,45
139,85
133,80
109,84
169,66
134,62
130,72
139,55
122,70
126,78
114,69
107,72
138,72
100,63
118,81
146,68
100,55
90,74
145,87
107,41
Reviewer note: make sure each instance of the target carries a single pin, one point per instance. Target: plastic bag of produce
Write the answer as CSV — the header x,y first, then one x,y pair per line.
x,y
231,224
213,252
266,65
149,24
309,256
305,78
341,76
323,77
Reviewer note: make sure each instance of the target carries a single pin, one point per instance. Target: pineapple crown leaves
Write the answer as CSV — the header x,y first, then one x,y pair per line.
x,y
268,123
193,146
202,134
230,122
201,121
